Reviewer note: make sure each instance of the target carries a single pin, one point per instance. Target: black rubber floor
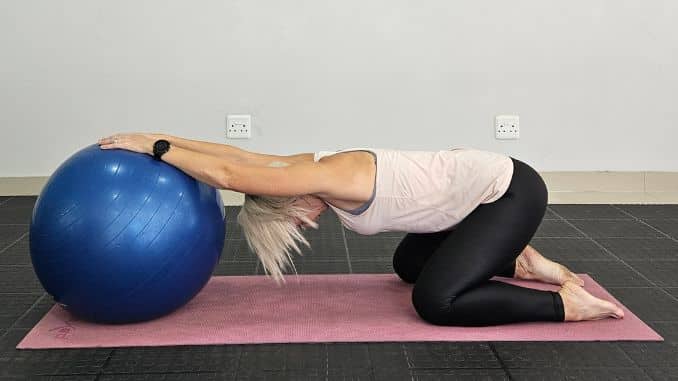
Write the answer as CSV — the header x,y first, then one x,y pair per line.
x,y
632,250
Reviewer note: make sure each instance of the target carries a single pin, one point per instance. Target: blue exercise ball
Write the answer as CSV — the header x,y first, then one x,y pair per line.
x,y
118,237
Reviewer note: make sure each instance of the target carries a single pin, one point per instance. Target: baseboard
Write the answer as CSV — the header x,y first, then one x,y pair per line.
x,y
595,187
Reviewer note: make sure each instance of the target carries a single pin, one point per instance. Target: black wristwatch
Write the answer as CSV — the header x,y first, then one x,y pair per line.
x,y
160,148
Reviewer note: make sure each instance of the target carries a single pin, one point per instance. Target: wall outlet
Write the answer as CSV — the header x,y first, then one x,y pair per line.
x,y
507,127
238,126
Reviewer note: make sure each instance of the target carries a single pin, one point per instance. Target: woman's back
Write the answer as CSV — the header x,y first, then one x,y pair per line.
x,y
426,191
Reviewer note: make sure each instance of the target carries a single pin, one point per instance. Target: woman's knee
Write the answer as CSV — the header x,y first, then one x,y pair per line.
x,y
413,252
405,270
431,306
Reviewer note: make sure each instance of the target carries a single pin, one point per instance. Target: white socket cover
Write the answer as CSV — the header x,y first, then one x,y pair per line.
x,y
238,126
507,127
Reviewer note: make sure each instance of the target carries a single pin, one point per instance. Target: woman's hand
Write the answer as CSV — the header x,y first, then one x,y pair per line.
x,y
135,142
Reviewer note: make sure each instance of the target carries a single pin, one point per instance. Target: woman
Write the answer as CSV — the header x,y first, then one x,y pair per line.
x,y
469,215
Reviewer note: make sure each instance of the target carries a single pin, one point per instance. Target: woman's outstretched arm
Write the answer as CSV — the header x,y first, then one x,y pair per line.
x,y
209,169
300,178
232,153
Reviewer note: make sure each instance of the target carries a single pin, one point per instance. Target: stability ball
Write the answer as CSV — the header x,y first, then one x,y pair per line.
x,y
118,237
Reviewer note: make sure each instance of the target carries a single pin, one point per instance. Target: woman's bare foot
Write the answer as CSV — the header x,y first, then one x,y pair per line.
x,y
580,305
531,265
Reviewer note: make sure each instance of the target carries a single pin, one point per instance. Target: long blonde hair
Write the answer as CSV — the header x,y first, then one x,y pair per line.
x,y
268,223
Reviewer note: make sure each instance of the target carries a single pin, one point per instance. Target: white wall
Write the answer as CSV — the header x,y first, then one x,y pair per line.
x,y
321,74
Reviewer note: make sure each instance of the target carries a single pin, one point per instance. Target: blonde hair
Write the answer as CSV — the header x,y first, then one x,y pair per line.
x,y
268,223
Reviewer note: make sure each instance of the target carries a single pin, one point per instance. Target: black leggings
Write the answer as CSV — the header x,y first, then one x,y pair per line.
x,y
452,269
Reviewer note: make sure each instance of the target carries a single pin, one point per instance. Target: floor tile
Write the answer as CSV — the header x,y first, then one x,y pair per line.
x,y
588,211
348,355
667,329
14,306
650,211
43,304
236,250
372,248
561,355
20,363
282,374
641,249
17,210
315,267
570,249
661,354
372,267
20,202
620,374
549,215
16,254
556,228
19,279
649,304
9,234
235,268
283,356
662,374
608,273
451,355
669,227
615,229
168,377
222,358
459,374
325,249
233,231
361,360
389,356
662,273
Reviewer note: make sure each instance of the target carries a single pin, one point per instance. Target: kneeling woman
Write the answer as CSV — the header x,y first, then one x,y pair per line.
x,y
468,214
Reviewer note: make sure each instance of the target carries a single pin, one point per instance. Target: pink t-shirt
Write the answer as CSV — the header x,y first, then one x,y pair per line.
x,y
427,191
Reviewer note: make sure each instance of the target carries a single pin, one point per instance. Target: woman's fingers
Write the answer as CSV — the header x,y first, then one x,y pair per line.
x,y
108,145
130,142
110,140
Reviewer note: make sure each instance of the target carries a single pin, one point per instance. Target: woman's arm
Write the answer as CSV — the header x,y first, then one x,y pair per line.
x,y
206,168
224,173
232,153
209,169
295,180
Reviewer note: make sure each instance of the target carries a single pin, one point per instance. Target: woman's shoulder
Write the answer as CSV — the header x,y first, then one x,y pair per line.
x,y
343,154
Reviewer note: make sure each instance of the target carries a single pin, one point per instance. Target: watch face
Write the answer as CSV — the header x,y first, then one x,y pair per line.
x,y
163,145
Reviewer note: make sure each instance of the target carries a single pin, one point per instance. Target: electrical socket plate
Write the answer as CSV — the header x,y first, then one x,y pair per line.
x,y
238,126
507,127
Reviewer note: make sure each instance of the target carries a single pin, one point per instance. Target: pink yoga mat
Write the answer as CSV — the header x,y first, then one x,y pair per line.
x,y
316,308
